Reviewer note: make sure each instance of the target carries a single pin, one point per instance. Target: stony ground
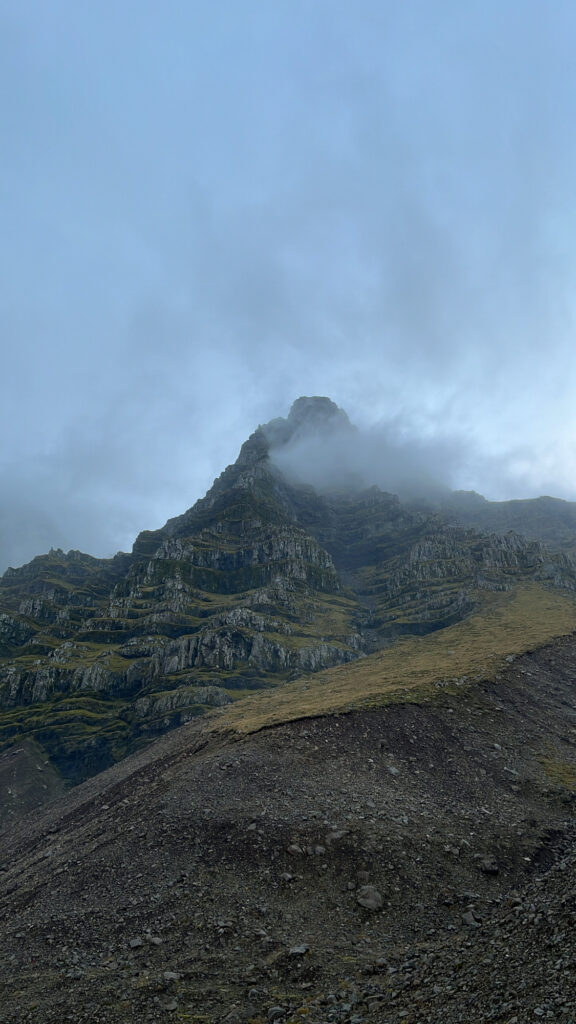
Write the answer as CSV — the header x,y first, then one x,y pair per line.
x,y
415,863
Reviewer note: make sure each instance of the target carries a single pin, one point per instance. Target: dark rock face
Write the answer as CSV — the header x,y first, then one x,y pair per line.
x,y
258,582
550,520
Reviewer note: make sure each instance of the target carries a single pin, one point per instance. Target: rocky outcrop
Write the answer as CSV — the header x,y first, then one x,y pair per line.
x,y
14,632
183,697
229,649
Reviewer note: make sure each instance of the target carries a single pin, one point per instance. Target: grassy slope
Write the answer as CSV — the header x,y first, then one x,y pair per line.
x,y
509,623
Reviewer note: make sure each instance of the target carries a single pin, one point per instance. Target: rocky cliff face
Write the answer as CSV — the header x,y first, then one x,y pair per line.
x,y
262,580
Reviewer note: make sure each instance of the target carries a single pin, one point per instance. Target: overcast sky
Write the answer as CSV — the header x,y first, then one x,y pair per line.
x,y
209,209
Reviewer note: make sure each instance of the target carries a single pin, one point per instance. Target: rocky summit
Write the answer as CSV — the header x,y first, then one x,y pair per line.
x,y
308,752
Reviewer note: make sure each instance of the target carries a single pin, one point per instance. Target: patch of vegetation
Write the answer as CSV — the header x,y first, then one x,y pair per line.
x,y
561,773
508,624
81,734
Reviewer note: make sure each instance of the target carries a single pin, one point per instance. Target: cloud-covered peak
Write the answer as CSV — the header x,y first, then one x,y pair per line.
x,y
309,419
317,444
317,415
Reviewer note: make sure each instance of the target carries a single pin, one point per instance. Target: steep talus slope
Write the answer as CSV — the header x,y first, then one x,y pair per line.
x,y
260,582
400,863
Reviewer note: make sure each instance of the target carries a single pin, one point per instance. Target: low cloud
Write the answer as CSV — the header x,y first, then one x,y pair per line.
x,y
401,457
386,457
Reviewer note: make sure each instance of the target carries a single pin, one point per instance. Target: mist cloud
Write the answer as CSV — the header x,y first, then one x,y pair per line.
x,y
397,459
353,458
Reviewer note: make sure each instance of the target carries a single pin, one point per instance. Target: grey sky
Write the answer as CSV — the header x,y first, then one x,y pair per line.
x,y
210,209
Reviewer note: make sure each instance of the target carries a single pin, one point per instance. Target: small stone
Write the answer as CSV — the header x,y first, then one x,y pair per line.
x,y
299,950
276,1012
369,897
135,943
489,866
171,976
334,836
469,919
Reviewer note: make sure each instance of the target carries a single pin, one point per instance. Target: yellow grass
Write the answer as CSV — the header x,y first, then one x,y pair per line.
x,y
508,623
561,773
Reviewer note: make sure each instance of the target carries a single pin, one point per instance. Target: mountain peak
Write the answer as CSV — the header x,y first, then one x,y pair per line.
x,y
309,417
316,413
